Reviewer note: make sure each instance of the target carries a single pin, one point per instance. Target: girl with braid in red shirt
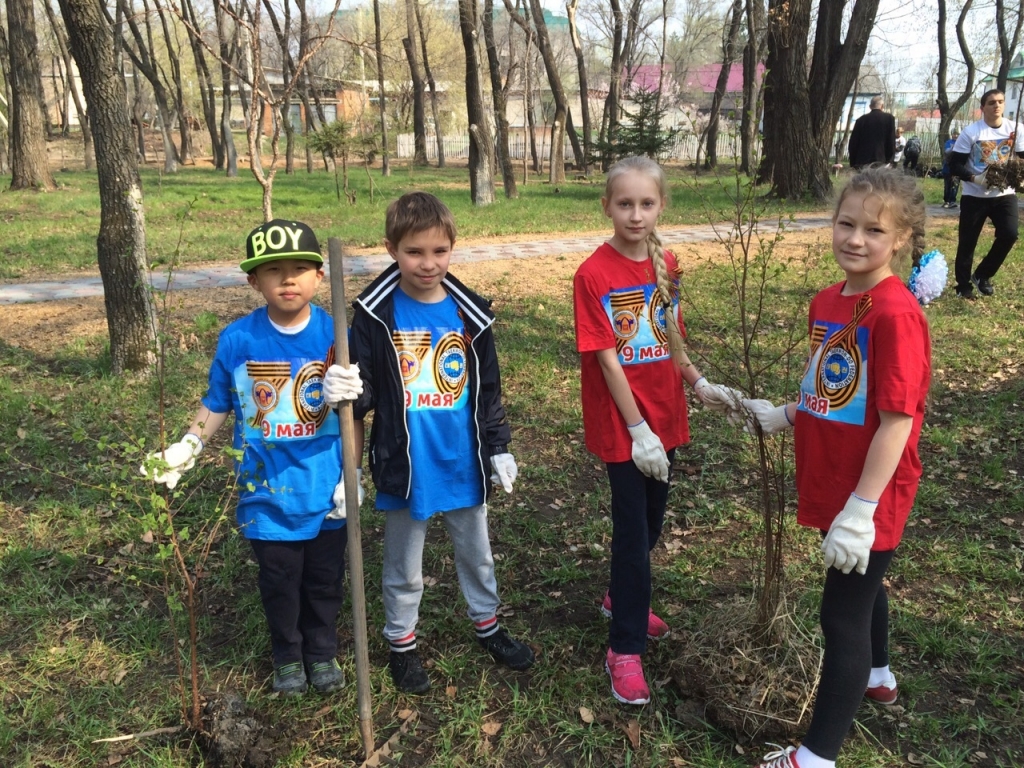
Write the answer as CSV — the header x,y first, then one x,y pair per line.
x,y
629,335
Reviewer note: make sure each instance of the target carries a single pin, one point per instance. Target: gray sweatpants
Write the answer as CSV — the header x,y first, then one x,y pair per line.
x,y
403,567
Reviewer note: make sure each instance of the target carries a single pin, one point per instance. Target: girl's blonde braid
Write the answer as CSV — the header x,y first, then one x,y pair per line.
x,y
666,292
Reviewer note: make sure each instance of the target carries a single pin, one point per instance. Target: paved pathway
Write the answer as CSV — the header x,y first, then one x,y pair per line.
x,y
217,277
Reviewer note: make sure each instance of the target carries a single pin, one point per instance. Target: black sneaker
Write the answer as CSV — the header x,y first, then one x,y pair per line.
x,y
407,672
326,676
507,650
983,284
966,293
290,679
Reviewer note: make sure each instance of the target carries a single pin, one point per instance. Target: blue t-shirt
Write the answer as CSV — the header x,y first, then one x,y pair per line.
x,y
288,436
432,357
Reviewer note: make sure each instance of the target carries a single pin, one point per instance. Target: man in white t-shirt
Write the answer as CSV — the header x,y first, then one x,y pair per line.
x,y
983,144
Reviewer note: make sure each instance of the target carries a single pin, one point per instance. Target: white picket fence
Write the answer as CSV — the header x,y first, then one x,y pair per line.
x,y
457,147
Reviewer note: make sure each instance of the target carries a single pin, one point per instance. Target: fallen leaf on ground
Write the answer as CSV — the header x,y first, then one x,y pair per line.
x,y
586,715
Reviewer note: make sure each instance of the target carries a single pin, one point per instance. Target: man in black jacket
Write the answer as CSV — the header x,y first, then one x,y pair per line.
x,y
874,137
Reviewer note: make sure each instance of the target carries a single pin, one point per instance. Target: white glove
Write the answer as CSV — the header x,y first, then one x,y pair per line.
x,y
981,178
771,418
716,397
178,458
341,384
339,512
648,452
505,470
847,544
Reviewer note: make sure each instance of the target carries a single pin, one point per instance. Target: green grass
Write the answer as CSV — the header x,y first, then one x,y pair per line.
x,y
85,647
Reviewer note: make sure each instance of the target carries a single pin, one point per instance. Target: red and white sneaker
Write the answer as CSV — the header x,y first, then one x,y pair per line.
x,y
627,674
656,628
884,694
783,758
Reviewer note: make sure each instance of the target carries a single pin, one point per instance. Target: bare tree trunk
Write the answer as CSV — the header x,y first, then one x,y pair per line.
x,y
284,33
378,48
206,87
172,49
753,54
611,103
228,47
60,35
29,166
802,106
419,116
581,67
556,169
138,117
481,150
5,74
438,132
121,244
1007,45
531,119
948,110
508,173
731,37
144,59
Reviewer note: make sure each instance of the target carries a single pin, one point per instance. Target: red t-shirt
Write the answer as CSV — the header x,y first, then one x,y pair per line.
x,y
869,352
616,306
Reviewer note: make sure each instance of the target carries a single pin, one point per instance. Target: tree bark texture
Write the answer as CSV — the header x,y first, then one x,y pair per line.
x,y
556,169
728,56
948,109
29,167
753,54
206,87
581,67
802,107
61,36
508,173
438,131
419,113
481,150
378,48
121,244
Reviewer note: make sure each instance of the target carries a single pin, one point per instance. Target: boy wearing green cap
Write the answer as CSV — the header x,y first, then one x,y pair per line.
x,y
268,370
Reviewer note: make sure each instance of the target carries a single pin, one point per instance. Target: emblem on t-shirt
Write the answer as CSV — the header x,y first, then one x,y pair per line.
x,y
308,394
626,309
656,313
268,381
834,386
412,347
450,364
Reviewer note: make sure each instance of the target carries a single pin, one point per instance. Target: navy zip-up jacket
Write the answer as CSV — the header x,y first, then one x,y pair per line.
x,y
372,347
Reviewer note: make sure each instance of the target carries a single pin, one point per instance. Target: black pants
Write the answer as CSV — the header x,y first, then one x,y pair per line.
x,y
638,513
855,623
1002,211
910,162
302,589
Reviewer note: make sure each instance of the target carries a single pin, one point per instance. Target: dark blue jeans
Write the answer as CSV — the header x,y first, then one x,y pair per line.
x,y
638,513
302,589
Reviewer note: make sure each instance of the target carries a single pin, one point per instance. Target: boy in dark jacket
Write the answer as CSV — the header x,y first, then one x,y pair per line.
x,y
425,350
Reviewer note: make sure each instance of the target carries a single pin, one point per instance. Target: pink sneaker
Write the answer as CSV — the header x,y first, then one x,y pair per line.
x,y
628,684
656,628
783,758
